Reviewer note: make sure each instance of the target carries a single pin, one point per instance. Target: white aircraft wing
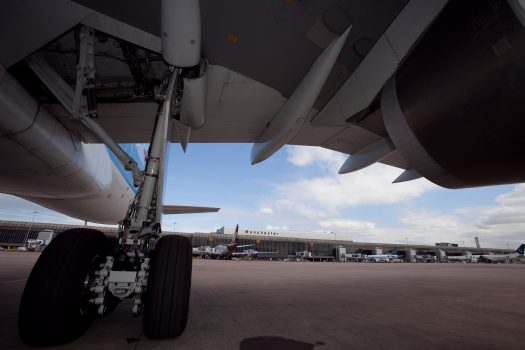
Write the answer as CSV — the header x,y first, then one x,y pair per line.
x,y
380,80
187,209
249,78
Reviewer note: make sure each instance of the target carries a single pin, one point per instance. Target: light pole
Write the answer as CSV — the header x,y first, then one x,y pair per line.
x,y
30,226
174,223
336,253
407,253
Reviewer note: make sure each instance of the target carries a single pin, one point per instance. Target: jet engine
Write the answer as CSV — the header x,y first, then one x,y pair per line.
x,y
455,108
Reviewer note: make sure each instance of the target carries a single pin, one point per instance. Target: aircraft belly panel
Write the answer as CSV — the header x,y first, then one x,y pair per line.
x,y
41,157
105,206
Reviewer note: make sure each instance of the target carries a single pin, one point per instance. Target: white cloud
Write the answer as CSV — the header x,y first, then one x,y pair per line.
x,y
499,225
506,220
345,225
430,221
305,155
430,227
516,198
369,186
502,216
326,195
324,202
266,210
272,227
305,210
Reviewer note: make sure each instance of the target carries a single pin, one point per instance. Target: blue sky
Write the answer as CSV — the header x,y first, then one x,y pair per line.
x,y
298,188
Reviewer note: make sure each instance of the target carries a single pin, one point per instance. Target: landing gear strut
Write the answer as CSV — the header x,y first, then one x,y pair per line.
x,y
156,272
81,273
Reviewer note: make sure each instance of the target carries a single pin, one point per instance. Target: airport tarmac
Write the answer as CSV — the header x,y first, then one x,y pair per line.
x,y
252,305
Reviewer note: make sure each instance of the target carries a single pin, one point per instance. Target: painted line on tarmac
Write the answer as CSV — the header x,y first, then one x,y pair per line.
x,y
13,281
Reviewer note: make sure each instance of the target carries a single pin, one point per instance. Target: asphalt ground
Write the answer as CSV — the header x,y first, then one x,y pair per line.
x,y
251,305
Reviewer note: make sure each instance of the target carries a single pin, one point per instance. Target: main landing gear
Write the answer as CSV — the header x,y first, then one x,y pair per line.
x,y
54,307
82,273
168,294
59,300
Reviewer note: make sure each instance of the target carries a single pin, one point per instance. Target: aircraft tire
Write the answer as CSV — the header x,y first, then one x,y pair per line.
x,y
53,309
167,297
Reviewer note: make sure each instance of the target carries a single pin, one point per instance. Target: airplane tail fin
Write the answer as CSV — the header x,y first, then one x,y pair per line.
x,y
521,249
235,238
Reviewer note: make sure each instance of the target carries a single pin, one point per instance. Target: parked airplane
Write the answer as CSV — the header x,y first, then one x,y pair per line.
x,y
226,251
222,251
254,254
429,87
427,258
517,255
465,258
202,250
382,257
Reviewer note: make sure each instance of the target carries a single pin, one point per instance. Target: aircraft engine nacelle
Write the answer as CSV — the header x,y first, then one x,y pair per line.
x,y
455,109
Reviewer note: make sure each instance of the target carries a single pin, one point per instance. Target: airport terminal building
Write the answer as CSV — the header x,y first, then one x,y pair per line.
x,y
284,243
